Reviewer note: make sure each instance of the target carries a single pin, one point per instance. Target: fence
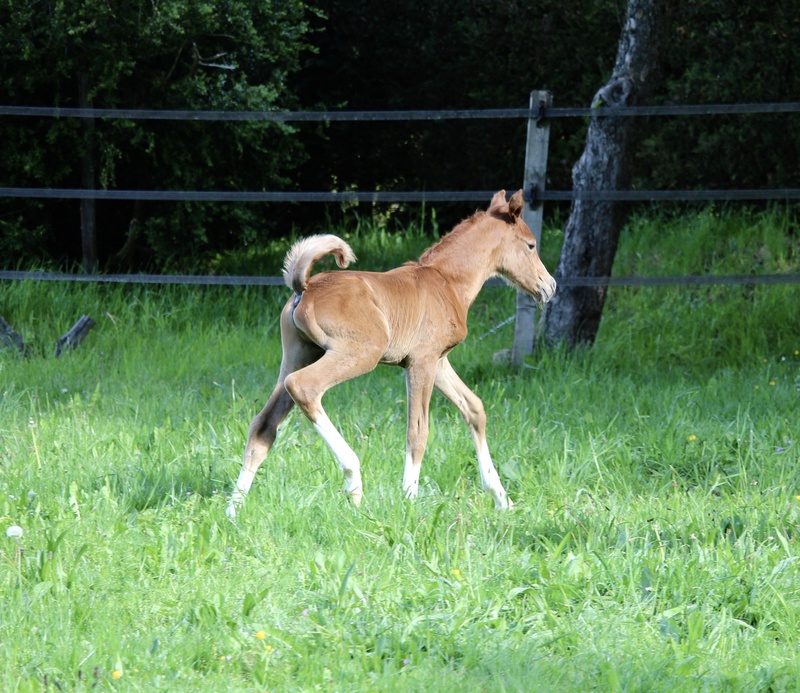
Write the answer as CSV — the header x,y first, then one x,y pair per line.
x,y
538,115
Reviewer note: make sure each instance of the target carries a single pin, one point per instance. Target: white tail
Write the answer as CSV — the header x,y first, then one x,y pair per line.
x,y
303,254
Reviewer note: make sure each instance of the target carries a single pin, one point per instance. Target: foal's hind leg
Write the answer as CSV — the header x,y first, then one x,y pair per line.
x,y
471,408
264,427
263,431
309,384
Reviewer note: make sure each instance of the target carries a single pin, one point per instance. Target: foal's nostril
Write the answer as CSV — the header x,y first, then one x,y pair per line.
x,y
548,290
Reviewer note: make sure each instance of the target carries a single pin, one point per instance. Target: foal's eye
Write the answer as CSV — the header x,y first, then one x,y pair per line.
x,y
532,246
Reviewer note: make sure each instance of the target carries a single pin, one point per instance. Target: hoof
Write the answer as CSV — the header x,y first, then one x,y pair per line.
x,y
504,503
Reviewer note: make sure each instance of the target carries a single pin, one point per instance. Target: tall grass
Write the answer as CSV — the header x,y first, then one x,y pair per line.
x,y
656,477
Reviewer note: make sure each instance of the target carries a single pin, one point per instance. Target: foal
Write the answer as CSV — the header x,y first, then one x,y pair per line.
x,y
339,325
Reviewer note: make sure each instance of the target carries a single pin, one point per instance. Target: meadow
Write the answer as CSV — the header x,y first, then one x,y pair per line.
x,y
653,545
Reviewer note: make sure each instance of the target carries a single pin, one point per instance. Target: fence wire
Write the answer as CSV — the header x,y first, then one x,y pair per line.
x,y
532,196
410,115
244,280
375,197
386,196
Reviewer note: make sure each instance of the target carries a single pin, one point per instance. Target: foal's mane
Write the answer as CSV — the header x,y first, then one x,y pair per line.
x,y
444,244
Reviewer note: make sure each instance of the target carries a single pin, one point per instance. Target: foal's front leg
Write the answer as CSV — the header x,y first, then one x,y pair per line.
x,y
471,408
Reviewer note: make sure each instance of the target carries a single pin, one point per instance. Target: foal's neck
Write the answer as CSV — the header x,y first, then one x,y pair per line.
x,y
465,257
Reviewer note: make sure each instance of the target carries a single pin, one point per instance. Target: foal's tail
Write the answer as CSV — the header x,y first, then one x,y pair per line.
x,y
303,254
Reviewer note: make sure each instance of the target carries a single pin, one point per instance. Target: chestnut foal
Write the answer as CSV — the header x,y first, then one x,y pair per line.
x,y
339,325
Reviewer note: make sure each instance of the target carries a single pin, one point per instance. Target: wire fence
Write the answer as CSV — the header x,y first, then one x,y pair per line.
x,y
533,197
247,280
374,116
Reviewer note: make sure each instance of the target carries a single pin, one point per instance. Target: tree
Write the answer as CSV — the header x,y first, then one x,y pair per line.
x,y
153,54
593,227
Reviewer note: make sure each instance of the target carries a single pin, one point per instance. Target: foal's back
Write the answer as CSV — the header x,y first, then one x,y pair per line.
x,y
405,312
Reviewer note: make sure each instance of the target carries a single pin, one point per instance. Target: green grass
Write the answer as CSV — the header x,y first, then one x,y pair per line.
x,y
653,545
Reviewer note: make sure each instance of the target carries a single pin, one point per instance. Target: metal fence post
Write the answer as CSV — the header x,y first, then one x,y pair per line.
x,y
533,185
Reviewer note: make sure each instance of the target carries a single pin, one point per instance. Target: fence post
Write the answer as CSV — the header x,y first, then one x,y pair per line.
x,y
88,240
533,185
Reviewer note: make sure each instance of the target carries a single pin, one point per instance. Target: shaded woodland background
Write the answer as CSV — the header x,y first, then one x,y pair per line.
x,y
353,55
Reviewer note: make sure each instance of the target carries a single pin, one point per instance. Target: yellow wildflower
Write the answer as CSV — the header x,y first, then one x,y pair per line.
x,y
116,674
261,635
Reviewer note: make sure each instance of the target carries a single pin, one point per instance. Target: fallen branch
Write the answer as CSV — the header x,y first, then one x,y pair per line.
x,y
75,335
10,338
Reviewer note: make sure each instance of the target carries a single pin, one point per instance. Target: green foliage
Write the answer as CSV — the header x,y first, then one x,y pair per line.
x,y
351,54
486,57
722,52
230,55
653,545
714,52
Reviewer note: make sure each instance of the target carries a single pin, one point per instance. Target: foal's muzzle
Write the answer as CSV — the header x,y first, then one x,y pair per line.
x,y
546,292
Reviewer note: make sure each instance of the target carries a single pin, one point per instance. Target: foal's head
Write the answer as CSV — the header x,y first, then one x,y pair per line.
x,y
519,260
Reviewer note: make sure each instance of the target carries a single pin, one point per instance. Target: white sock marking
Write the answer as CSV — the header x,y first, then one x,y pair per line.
x,y
347,459
490,479
411,477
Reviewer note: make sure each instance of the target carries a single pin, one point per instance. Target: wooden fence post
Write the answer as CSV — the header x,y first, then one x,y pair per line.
x,y
533,185
88,228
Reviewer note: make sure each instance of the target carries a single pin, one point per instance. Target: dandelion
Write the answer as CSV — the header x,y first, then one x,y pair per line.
x,y
15,532
797,497
261,635
692,438
772,383
456,572
116,674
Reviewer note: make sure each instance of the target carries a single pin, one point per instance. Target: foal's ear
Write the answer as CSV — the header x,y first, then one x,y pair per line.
x,y
516,203
500,208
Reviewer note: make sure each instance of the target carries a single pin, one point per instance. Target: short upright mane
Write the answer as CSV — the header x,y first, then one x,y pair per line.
x,y
446,241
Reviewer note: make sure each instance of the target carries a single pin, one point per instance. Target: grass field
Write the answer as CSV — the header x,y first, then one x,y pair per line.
x,y
653,546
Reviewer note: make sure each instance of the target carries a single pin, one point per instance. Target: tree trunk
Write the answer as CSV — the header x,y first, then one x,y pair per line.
x,y
592,232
